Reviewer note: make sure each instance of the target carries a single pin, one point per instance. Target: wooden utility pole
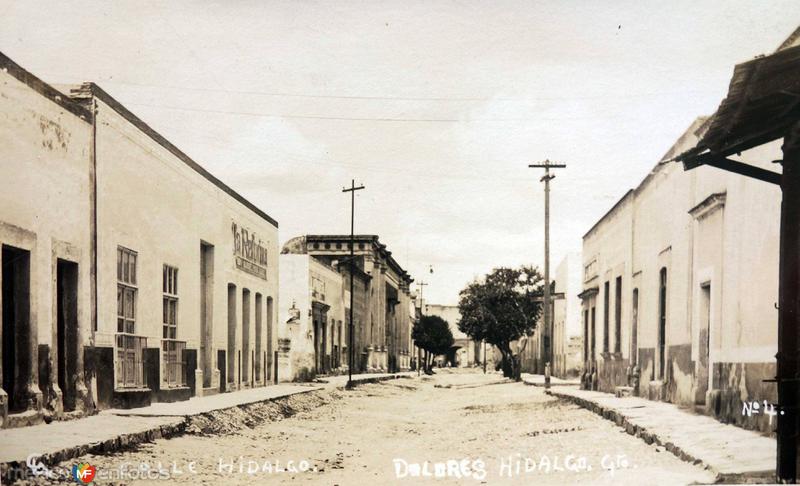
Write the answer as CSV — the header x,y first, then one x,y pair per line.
x,y
421,285
352,190
548,330
484,356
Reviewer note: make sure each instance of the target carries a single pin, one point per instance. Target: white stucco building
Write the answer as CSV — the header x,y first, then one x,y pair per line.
x,y
46,203
137,275
680,284
566,331
467,353
313,300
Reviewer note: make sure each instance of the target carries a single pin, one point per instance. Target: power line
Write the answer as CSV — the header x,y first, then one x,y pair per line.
x,y
604,116
403,98
225,145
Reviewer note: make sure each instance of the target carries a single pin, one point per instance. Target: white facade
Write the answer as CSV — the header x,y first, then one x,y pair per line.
x,y
467,353
708,337
567,317
313,310
130,273
45,237
160,204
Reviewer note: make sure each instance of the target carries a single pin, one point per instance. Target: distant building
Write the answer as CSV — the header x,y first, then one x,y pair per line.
x,y
566,312
312,298
567,339
381,299
465,352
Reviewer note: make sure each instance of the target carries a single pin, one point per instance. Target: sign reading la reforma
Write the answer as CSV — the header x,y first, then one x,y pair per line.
x,y
249,253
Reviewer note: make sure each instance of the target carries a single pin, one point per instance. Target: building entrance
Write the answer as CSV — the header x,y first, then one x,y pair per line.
x,y
16,334
67,331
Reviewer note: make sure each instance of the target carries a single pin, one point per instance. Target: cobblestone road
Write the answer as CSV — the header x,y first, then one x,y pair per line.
x,y
463,426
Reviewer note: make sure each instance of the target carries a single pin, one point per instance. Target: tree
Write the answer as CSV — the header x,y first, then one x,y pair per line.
x,y
432,334
502,308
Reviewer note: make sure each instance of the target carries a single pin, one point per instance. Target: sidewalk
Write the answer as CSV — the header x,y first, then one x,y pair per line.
x,y
732,453
340,381
111,430
221,401
538,380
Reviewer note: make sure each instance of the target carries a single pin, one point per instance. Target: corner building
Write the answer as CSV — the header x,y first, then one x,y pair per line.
x,y
47,254
380,300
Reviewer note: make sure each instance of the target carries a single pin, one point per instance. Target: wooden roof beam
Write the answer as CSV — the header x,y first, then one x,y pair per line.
x,y
735,166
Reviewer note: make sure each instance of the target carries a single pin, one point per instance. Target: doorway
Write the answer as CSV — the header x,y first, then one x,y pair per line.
x,y
231,355
317,367
634,352
703,344
207,313
245,361
270,352
257,354
17,365
593,348
319,318
662,323
67,331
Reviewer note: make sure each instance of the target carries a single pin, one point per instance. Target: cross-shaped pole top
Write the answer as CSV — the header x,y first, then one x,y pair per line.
x,y
353,187
547,165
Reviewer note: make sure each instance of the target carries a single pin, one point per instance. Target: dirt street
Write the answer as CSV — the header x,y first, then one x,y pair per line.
x,y
463,427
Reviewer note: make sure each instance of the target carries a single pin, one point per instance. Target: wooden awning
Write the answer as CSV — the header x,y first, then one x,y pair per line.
x,y
763,101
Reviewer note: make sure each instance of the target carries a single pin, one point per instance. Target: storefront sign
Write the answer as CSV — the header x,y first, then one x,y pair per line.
x,y
249,252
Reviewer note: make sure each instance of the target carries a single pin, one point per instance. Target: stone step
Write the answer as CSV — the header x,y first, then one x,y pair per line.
x,y
23,419
623,391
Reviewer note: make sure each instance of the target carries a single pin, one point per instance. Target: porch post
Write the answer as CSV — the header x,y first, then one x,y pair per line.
x,y
789,311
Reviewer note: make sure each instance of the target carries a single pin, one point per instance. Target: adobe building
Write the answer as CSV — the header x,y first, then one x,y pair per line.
x,y
47,256
380,299
130,274
312,302
187,271
682,276
679,288
759,111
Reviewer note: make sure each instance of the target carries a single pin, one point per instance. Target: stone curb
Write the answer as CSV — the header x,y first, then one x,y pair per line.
x,y
376,379
238,405
108,446
166,431
541,385
651,438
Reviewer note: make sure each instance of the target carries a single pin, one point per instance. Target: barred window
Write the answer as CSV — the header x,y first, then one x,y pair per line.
x,y
170,302
126,290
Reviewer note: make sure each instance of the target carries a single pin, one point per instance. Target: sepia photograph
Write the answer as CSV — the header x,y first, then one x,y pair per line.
x,y
357,242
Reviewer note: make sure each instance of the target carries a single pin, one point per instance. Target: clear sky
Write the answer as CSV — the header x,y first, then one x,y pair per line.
x,y
436,106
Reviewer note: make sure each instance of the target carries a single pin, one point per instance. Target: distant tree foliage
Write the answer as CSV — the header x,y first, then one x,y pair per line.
x,y
432,334
501,308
